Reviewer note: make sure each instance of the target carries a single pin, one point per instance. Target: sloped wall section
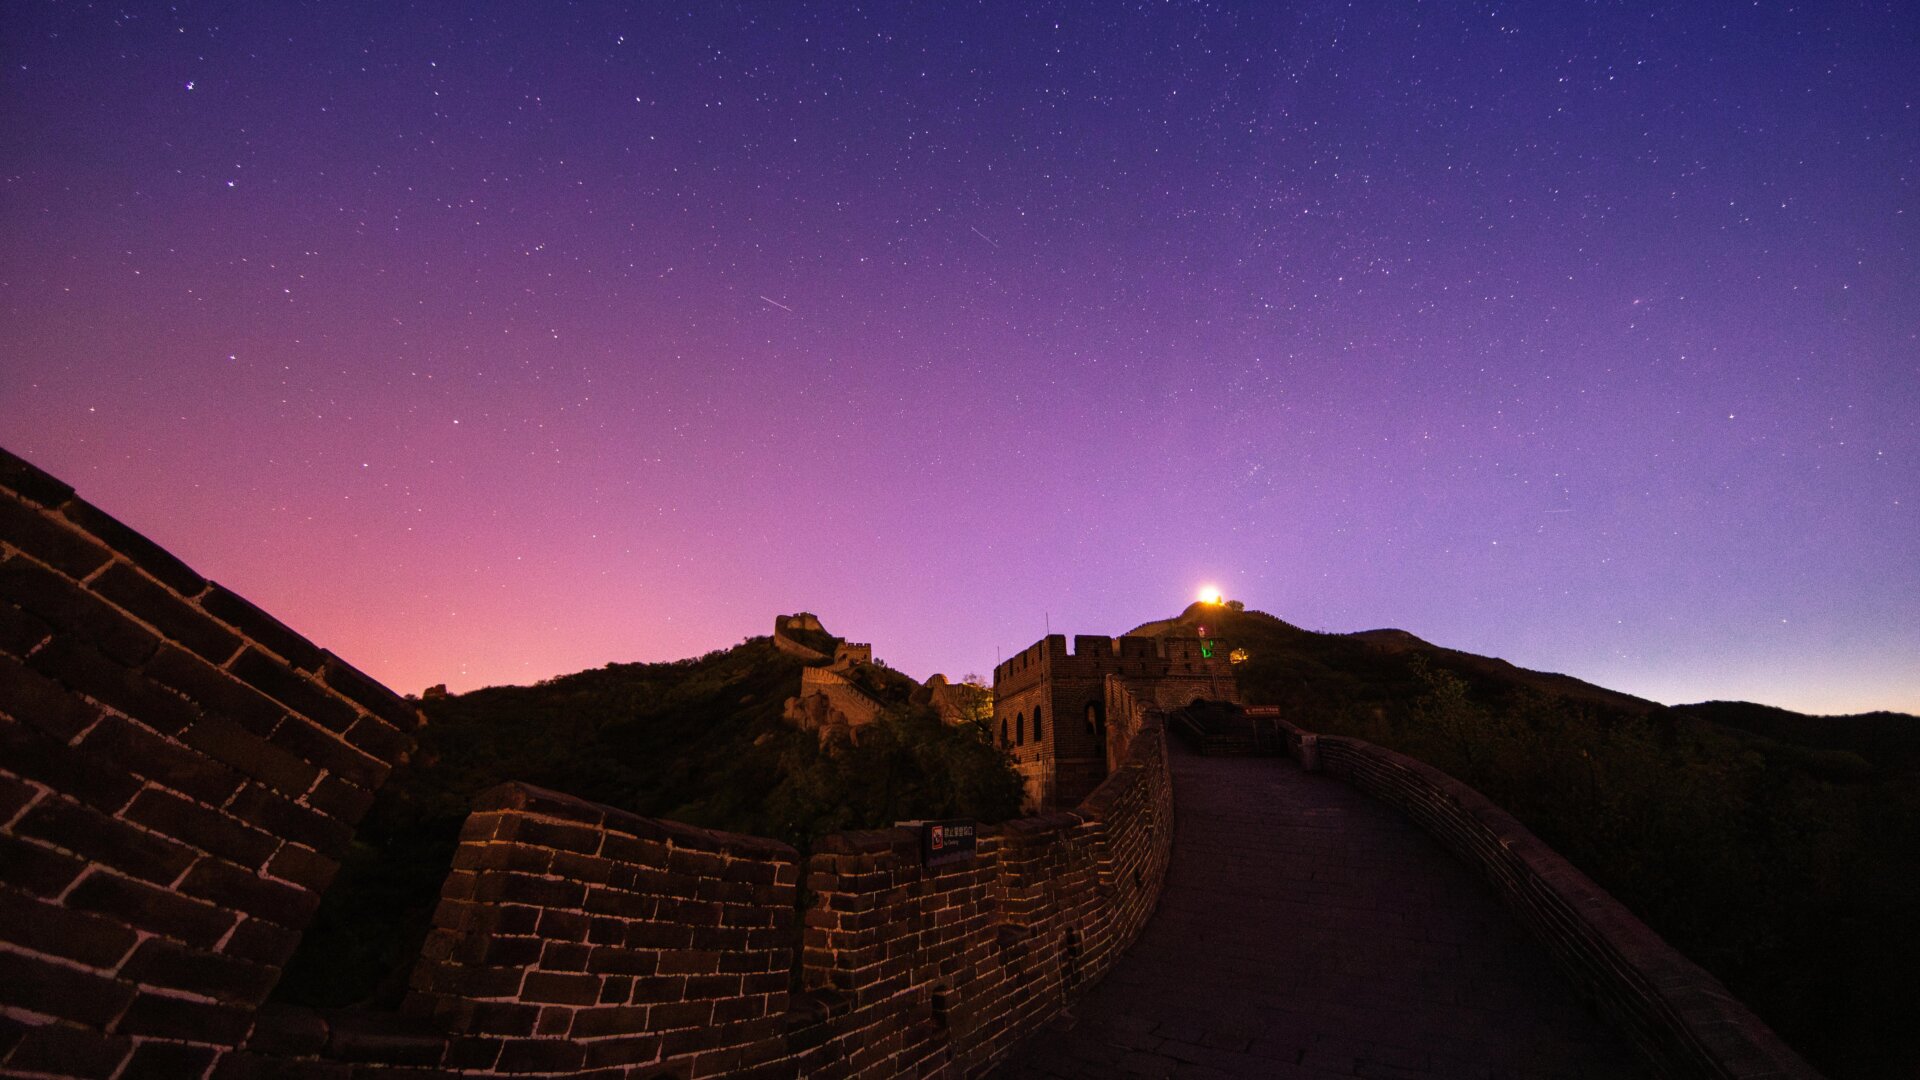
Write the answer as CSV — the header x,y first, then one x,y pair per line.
x,y
179,774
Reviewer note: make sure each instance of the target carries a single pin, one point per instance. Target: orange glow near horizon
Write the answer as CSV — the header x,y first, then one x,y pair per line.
x,y
1210,595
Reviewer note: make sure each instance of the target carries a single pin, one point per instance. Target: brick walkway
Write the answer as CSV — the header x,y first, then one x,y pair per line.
x,y
1308,932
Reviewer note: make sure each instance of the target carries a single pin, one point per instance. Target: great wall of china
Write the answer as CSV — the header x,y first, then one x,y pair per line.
x,y
180,772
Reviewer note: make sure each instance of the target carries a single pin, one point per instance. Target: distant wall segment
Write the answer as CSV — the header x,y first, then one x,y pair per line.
x,y
1678,1014
180,773
784,626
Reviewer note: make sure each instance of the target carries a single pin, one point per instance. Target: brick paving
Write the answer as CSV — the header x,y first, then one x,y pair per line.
x,y
1309,932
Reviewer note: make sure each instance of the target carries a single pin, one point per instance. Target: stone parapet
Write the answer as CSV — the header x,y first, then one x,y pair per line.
x,y
573,938
1678,1014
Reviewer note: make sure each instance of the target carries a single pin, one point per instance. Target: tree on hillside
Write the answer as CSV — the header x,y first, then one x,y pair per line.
x,y
979,706
907,764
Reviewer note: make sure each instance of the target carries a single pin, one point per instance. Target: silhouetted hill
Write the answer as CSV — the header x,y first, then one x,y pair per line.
x,y
1494,669
1312,673
699,741
1888,737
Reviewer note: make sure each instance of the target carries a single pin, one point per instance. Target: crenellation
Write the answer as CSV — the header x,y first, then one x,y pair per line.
x,y
1092,647
1051,707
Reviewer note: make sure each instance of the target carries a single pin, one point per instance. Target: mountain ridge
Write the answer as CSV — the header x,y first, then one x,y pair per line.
x,y
1772,721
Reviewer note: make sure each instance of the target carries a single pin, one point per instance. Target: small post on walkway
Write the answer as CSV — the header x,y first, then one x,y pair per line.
x,y
1309,752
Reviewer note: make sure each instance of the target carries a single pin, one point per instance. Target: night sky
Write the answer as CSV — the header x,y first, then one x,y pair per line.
x,y
487,342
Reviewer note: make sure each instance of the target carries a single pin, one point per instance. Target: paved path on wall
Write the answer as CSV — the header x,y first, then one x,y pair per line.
x,y
1307,931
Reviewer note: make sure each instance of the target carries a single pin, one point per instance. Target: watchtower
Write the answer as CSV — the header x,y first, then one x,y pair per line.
x,y
1050,705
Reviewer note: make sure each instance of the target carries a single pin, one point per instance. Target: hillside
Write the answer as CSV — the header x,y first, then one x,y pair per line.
x,y
1889,738
699,741
1778,850
1313,675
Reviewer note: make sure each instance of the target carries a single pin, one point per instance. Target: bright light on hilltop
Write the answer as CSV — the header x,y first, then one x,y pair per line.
x,y
1210,595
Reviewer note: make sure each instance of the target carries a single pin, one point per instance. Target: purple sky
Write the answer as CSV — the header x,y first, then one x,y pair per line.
x,y
484,343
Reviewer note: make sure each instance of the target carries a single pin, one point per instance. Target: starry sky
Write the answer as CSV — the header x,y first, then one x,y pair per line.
x,y
485,342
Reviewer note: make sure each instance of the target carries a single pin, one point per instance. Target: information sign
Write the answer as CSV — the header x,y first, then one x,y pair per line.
x,y
943,842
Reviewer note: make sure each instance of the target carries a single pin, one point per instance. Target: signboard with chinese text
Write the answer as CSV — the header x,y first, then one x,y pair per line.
x,y
943,842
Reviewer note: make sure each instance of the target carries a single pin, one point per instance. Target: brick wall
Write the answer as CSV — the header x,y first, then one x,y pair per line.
x,y
1034,758
1680,1016
179,774
571,936
573,939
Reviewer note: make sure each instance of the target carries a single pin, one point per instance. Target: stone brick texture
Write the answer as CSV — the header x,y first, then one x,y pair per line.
x,y
574,937
180,773
1677,1014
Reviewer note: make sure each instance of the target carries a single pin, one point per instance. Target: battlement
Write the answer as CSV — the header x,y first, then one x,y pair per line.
x,y
1051,706
1095,655
1092,647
